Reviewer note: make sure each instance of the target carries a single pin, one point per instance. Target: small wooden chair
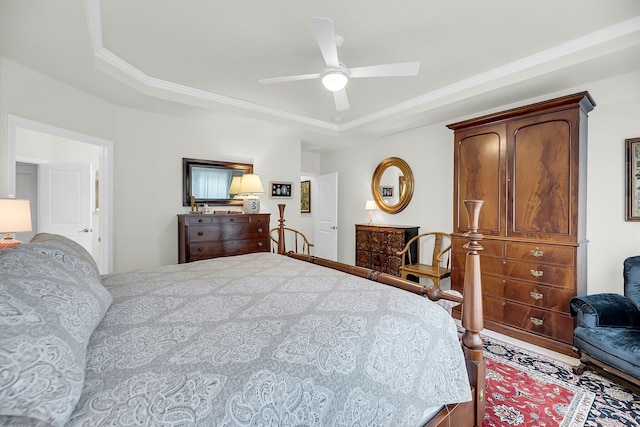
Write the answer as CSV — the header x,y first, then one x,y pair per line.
x,y
436,271
293,237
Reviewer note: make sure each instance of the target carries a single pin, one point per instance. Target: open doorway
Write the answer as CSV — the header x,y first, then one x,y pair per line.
x,y
33,143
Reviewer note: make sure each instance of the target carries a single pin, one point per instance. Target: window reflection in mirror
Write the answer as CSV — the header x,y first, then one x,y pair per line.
x,y
209,181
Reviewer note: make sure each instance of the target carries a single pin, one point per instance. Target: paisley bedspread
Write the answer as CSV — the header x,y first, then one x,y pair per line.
x,y
263,339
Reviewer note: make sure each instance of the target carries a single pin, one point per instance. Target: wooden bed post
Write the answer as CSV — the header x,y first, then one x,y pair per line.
x,y
281,245
472,313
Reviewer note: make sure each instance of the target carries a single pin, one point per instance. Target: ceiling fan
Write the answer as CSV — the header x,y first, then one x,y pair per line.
x,y
335,75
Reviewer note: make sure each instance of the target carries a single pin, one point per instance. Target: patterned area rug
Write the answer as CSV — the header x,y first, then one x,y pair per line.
x,y
527,389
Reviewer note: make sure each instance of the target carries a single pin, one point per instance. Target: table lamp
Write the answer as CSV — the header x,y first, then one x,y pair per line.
x,y
370,206
234,188
15,216
249,187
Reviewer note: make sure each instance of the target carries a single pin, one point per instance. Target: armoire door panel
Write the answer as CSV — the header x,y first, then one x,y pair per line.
x,y
540,178
480,172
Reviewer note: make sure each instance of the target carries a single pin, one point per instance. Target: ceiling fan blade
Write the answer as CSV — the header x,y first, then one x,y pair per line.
x,y
341,100
387,70
326,37
289,78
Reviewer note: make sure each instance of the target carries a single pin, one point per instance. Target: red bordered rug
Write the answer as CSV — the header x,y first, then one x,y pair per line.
x,y
520,396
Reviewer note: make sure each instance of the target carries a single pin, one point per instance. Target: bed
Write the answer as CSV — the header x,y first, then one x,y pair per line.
x,y
250,340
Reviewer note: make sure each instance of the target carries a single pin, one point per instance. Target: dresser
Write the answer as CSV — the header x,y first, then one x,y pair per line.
x,y
528,164
376,246
204,236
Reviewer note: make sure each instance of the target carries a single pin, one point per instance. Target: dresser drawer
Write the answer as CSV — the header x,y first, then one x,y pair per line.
x,y
548,254
204,219
537,295
554,325
202,233
226,248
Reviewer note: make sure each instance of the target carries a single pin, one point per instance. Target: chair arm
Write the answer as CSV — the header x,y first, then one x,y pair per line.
x,y
610,310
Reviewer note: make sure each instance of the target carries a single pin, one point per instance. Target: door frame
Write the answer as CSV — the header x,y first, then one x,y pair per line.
x,y
105,214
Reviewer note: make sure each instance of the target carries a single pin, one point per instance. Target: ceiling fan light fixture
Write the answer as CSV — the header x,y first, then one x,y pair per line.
x,y
335,80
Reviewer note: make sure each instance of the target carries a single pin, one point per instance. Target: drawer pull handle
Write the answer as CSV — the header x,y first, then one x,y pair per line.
x,y
200,249
200,233
536,295
536,273
259,244
259,230
200,220
536,321
537,252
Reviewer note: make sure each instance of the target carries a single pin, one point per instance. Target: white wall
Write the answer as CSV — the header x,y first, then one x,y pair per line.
x,y
26,93
148,178
429,153
148,152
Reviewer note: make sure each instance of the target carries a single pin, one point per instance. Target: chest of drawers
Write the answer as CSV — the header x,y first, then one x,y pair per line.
x,y
203,236
376,246
526,287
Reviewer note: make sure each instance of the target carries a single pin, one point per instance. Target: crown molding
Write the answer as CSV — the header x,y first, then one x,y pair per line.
x,y
519,70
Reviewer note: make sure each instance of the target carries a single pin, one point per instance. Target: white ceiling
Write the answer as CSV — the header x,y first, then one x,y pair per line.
x,y
191,56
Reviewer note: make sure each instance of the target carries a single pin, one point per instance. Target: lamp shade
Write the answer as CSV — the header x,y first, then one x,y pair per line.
x,y
234,188
250,184
15,215
370,205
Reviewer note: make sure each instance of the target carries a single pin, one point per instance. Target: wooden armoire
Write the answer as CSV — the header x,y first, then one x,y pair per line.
x,y
528,164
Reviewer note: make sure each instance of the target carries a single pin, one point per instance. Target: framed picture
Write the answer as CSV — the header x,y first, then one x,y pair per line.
x,y
281,190
305,197
386,192
633,179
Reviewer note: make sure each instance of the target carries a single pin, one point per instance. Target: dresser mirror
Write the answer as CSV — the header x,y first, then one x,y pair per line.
x,y
392,185
209,181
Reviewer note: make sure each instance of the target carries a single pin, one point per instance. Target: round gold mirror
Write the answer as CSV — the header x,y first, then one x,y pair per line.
x,y
392,185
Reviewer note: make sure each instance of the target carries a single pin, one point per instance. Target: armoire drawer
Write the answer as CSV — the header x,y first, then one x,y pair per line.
x,y
550,324
540,253
532,272
550,298
490,248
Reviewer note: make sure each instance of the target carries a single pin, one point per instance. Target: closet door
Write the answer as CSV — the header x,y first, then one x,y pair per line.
x,y
542,167
479,171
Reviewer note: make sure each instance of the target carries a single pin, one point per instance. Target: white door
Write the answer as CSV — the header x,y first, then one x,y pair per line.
x,y
64,201
326,217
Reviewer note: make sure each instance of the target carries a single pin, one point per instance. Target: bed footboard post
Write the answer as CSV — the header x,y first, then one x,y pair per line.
x,y
472,314
281,245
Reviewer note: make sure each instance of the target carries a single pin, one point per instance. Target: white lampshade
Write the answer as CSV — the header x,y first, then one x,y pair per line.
x,y
15,216
250,184
234,188
249,187
371,206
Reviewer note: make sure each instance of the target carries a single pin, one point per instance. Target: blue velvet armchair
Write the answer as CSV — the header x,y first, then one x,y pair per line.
x,y
607,335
